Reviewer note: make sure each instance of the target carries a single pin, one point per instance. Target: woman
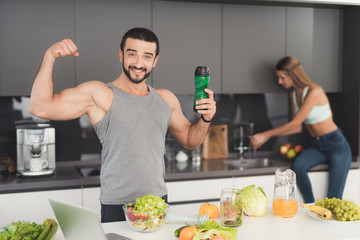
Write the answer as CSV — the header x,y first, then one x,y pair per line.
x,y
310,106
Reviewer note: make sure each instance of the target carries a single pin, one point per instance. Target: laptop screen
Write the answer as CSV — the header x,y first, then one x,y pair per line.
x,y
77,222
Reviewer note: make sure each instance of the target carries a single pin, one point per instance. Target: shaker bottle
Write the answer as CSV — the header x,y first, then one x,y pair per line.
x,y
231,207
201,80
285,203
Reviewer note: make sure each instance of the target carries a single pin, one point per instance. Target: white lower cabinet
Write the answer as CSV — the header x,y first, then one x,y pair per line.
x,y
210,189
33,206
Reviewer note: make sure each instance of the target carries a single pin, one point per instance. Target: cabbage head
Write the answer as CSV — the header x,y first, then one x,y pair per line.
x,y
254,201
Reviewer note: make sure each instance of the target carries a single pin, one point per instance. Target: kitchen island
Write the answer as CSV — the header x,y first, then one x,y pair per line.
x,y
78,182
304,225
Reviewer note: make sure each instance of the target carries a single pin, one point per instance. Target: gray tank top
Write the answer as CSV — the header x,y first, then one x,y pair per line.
x,y
132,134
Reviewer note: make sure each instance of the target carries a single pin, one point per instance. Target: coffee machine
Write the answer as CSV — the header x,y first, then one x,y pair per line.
x,y
35,142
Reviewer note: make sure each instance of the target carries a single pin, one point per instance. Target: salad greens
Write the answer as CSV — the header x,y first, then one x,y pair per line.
x,y
150,203
21,231
147,213
211,228
255,201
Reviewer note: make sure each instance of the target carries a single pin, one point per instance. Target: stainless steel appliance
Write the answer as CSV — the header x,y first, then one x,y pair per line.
x,y
35,140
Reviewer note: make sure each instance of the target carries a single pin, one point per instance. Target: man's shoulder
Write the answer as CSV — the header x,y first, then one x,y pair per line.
x,y
94,83
166,94
94,87
99,91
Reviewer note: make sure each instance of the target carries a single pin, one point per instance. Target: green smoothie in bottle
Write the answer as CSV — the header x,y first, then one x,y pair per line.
x,y
201,80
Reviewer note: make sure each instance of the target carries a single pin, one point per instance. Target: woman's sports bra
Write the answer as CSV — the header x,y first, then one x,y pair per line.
x,y
317,114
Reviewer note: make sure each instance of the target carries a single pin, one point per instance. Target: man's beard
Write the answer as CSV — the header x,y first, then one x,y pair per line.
x,y
139,80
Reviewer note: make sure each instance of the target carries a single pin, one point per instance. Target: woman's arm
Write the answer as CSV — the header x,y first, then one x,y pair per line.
x,y
295,125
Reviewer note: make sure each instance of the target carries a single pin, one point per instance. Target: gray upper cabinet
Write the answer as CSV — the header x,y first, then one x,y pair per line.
x,y
314,37
299,35
27,29
327,53
253,41
190,36
239,43
100,26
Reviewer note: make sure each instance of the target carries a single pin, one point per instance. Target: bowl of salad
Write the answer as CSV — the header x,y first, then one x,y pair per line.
x,y
147,214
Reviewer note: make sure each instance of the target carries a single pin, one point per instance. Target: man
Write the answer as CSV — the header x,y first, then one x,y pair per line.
x,y
130,118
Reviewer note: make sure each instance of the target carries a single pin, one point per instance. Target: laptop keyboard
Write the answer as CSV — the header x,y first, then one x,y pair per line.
x,y
113,236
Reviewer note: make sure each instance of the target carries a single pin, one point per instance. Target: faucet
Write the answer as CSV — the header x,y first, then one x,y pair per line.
x,y
241,148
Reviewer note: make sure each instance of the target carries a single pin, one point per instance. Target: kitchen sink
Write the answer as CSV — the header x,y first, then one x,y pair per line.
x,y
254,154
244,163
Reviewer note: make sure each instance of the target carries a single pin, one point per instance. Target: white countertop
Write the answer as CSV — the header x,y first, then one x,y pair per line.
x,y
302,226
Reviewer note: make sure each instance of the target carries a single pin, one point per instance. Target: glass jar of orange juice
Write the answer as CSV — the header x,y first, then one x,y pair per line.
x,y
285,203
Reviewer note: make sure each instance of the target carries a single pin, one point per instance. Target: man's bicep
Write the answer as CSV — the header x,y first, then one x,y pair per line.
x,y
69,104
179,127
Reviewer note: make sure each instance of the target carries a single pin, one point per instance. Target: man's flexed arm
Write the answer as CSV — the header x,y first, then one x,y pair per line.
x,y
68,104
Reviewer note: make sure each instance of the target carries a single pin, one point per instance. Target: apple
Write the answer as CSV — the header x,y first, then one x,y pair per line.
x,y
291,154
298,148
288,145
284,149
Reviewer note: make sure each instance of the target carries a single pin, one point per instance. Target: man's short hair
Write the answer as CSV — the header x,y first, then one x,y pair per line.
x,y
141,34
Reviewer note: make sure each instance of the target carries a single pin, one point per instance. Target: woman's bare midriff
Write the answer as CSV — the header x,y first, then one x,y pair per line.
x,y
321,128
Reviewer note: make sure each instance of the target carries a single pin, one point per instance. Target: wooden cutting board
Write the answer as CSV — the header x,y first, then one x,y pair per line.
x,y
215,145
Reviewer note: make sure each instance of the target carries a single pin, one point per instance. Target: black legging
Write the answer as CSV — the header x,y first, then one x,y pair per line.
x,y
114,213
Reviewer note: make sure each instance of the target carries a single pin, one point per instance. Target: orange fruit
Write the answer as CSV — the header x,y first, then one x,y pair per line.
x,y
187,233
210,209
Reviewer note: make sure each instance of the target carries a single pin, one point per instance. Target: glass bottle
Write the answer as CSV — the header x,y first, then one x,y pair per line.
x,y
231,207
285,203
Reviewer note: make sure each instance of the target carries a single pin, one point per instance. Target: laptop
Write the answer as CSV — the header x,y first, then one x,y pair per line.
x,y
78,223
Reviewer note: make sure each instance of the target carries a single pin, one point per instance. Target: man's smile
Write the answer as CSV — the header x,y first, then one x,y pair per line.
x,y
137,70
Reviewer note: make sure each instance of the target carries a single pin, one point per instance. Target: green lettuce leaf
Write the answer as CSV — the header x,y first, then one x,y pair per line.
x,y
149,203
21,231
211,228
255,201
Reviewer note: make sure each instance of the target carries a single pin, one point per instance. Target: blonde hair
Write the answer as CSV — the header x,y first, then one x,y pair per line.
x,y
295,70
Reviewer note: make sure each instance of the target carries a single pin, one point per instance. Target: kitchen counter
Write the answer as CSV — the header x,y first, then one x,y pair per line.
x,y
84,174
301,226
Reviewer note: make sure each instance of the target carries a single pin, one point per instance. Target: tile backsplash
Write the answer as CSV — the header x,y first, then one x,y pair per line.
x,y
76,139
